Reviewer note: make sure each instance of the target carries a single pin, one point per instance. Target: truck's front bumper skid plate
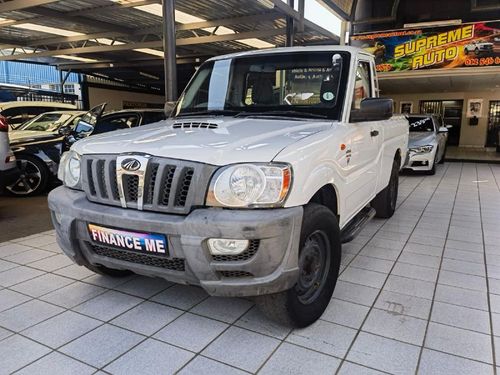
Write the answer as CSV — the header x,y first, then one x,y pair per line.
x,y
271,269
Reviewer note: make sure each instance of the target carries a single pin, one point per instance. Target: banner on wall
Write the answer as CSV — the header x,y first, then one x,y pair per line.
x,y
469,45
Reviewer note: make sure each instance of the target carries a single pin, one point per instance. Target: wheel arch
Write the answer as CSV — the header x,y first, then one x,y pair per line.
x,y
327,196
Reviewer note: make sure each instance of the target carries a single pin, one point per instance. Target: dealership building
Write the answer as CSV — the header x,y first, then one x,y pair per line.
x,y
440,57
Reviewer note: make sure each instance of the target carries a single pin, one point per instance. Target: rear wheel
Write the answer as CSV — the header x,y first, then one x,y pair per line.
x,y
319,263
33,177
385,201
102,270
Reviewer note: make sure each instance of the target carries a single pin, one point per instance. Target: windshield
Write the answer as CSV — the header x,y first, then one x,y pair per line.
x,y
288,84
46,122
421,124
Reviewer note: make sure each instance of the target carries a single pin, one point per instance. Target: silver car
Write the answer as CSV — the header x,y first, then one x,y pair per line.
x,y
426,144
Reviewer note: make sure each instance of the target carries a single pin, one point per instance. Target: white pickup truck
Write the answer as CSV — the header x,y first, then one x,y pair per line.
x,y
269,162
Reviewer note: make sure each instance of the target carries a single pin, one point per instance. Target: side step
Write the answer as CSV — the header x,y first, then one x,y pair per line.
x,y
353,228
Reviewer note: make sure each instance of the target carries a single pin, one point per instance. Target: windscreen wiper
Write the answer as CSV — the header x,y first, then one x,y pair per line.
x,y
280,113
214,112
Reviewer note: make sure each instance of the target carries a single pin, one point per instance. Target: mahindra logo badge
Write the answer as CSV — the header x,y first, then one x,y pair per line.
x,y
131,164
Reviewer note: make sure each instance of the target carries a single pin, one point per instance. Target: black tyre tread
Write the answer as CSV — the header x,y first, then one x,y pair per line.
x,y
381,203
44,178
284,307
102,270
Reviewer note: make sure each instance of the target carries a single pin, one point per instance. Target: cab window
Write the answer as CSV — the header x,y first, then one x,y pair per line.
x,y
363,85
116,122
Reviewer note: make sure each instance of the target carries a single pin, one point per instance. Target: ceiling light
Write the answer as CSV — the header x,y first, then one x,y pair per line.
x,y
256,43
76,58
47,29
108,42
150,51
149,75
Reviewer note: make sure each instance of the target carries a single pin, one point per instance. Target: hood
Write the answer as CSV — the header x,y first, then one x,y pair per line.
x,y
24,136
228,140
421,138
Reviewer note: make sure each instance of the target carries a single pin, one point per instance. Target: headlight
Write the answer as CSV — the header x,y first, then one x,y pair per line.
x,y
69,170
422,149
250,185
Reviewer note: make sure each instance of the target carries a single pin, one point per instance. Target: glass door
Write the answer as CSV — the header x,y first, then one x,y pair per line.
x,y
451,113
493,124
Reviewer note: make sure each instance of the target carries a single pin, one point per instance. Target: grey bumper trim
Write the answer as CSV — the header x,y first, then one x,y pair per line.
x,y
274,266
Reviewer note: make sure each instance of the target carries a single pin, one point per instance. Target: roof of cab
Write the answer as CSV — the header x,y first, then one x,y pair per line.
x,y
272,51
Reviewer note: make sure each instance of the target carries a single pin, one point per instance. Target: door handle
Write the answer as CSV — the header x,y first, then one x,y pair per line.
x,y
374,133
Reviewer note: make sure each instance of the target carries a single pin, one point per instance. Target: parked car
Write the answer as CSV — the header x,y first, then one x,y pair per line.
x,y
19,112
8,169
478,47
427,143
94,122
38,151
240,191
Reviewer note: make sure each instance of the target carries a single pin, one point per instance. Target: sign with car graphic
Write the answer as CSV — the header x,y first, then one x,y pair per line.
x,y
445,47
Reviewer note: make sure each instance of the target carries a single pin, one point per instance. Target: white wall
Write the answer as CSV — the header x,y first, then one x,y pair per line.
x,y
115,98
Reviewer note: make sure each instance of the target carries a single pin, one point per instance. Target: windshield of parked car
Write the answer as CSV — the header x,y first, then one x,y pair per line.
x,y
285,84
421,124
46,122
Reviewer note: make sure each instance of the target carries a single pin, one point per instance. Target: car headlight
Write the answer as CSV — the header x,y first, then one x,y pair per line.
x,y
250,185
422,149
69,170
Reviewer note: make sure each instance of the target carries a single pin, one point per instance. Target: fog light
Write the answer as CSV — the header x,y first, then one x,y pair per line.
x,y
222,246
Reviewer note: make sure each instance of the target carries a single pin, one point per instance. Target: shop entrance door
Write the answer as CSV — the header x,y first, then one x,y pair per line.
x,y
493,124
451,113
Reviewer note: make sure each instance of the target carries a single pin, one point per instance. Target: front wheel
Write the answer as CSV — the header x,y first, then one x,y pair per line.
x,y
319,263
385,201
33,177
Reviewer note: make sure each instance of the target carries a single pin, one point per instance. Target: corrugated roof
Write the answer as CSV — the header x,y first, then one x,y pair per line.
x,y
102,21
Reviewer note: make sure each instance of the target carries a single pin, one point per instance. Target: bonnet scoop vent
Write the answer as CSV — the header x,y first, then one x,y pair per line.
x,y
194,125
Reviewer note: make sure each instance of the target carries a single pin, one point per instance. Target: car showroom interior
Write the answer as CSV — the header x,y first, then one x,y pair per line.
x,y
249,187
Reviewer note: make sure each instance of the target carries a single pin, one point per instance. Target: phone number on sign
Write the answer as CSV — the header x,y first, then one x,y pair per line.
x,y
484,61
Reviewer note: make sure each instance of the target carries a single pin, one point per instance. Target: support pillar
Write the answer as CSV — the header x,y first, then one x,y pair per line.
x,y
169,55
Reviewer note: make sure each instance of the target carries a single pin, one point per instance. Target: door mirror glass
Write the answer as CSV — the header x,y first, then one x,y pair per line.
x,y
83,129
372,109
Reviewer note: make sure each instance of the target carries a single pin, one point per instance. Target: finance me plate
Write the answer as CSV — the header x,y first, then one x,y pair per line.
x,y
148,243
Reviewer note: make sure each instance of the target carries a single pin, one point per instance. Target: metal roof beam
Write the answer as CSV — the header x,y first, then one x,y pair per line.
x,y
267,16
10,6
126,64
104,26
290,12
152,44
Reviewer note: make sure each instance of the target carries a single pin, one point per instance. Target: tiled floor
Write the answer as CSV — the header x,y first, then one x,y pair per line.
x,y
418,293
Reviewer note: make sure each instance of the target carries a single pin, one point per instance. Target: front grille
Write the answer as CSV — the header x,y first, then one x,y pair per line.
x,y
169,186
247,254
235,274
174,264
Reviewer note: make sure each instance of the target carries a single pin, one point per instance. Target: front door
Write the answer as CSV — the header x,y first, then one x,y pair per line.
x,y
493,124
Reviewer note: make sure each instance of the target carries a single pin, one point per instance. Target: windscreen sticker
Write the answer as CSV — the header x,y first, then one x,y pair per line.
x,y
328,96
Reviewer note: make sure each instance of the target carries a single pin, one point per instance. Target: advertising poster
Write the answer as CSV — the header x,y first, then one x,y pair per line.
x,y
469,45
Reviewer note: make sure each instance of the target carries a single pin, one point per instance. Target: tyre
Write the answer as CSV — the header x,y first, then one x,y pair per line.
x,y
102,270
476,51
432,171
319,263
466,51
33,178
385,201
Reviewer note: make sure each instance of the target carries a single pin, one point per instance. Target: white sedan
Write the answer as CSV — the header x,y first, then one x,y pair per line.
x,y
426,143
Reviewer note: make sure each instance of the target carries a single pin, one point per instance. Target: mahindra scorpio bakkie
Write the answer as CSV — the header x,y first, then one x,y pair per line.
x,y
270,160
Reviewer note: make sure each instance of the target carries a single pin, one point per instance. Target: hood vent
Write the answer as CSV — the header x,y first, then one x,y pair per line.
x,y
194,125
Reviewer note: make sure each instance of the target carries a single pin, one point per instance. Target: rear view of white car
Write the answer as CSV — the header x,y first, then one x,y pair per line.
x,y
426,144
8,169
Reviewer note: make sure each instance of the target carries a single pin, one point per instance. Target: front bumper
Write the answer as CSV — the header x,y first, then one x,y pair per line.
x,y
271,269
8,177
419,162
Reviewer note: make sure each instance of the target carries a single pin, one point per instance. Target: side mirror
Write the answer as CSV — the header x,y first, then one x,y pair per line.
x,y
443,129
83,129
64,130
448,126
372,109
